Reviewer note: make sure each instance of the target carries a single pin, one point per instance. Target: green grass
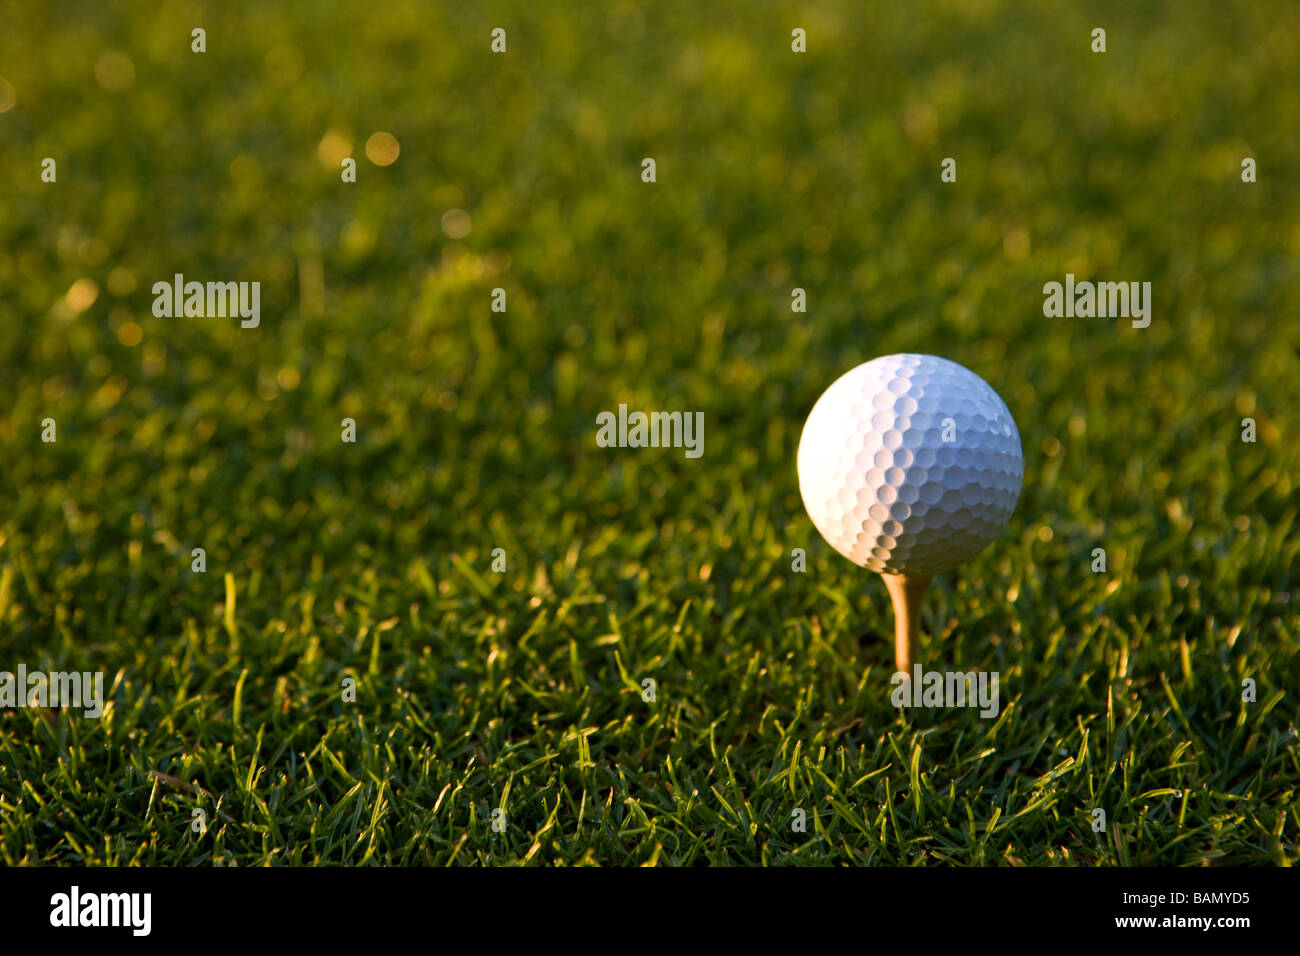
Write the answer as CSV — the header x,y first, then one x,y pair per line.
x,y
522,690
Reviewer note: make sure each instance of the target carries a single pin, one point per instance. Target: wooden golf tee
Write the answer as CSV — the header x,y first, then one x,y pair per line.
x,y
906,591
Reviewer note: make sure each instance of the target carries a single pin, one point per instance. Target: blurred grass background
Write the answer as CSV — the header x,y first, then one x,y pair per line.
x,y
476,430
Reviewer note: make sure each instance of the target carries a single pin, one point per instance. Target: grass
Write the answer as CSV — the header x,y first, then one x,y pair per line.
x,y
523,690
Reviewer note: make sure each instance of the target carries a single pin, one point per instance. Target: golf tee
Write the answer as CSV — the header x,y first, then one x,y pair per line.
x,y
906,591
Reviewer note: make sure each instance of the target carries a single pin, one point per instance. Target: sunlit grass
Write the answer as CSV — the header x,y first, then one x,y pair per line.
x,y
523,691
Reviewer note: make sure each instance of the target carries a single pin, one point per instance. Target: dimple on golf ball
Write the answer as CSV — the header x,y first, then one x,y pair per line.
x,y
910,464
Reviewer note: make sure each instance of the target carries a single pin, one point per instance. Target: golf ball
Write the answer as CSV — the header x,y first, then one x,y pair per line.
x,y
910,464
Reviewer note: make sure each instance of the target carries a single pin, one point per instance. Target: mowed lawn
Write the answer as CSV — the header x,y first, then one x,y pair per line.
x,y
523,690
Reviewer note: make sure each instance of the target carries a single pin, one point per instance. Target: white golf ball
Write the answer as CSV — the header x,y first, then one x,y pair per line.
x,y
910,464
